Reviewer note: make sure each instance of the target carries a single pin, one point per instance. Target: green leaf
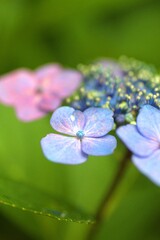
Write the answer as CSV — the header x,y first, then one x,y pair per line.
x,y
27,198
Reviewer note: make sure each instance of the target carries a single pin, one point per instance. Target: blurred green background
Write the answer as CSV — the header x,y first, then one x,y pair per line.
x,y
35,32
71,32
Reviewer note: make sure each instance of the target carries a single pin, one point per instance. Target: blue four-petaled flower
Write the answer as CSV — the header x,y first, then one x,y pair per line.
x,y
87,135
143,139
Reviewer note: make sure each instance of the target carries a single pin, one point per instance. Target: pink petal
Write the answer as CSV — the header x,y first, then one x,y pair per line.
x,y
67,82
49,102
27,110
15,85
48,70
55,80
46,76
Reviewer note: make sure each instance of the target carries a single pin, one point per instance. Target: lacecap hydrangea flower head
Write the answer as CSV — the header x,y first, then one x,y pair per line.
x,y
35,93
84,133
123,86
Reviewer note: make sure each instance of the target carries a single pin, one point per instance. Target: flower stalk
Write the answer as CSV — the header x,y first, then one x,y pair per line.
x,y
102,209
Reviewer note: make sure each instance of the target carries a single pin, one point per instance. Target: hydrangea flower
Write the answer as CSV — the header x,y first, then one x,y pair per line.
x,y
143,139
33,94
87,135
123,86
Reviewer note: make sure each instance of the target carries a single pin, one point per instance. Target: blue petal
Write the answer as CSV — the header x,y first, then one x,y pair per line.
x,y
99,146
138,144
148,122
149,166
62,149
99,122
68,121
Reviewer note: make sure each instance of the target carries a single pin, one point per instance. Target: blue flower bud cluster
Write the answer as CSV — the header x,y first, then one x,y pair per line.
x,y
123,86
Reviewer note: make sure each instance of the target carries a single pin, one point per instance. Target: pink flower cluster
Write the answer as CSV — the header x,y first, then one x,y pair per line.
x,y
34,93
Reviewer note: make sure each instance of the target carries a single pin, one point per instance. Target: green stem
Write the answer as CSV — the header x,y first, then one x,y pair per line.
x,y
102,209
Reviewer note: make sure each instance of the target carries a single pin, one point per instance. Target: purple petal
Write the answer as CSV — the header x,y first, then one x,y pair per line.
x,y
99,122
148,122
15,85
138,144
113,67
149,166
99,146
68,121
62,149
27,110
